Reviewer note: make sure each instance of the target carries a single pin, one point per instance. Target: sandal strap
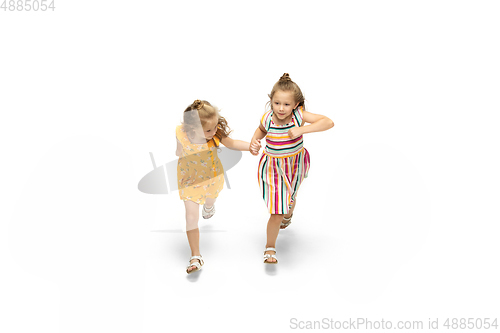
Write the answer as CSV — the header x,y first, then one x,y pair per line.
x,y
196,264
269,256
208,213
270,249
209,209
200,258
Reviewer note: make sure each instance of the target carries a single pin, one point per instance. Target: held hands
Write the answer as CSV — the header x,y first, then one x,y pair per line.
x,y
295,132
255,147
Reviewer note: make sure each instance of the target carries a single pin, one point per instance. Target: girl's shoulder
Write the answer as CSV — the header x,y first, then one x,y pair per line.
x,y
265,120
298,114
299,111
180,134
178,130
267,113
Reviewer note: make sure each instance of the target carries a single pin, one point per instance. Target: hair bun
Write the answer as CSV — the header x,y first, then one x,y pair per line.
x,y
197,104
285,77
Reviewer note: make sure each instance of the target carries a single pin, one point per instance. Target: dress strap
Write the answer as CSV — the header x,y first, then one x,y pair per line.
x,y
298,115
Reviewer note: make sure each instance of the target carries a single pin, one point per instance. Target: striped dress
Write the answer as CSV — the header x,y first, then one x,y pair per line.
x,y
283,164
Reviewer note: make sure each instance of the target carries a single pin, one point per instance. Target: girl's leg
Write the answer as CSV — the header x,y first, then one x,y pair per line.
x,y
192,231
290,212
273,228
209,202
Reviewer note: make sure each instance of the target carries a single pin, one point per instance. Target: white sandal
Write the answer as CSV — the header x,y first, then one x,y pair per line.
x,y
207,213
286,222
269,256
195,264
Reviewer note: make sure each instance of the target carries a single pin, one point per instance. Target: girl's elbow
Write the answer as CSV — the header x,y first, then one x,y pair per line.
x,y
328,122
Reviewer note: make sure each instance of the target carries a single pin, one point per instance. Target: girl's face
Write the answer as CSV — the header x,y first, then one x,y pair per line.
x,y
283,103
208,130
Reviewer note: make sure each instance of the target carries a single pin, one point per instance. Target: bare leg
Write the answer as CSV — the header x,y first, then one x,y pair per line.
x,y
273,229
209,202
192,231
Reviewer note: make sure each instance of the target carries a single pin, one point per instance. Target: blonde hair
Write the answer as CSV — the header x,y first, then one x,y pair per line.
x,y
205,112
285,83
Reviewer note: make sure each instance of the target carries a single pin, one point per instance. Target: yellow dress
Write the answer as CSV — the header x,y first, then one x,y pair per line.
x,y
199,170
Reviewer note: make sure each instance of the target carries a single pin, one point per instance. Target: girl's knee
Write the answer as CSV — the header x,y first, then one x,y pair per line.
x,y
191,224
275,218
192,220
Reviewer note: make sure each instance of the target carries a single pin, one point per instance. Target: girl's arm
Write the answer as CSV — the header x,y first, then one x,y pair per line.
x,y
178,151
259,134
318,122
235,144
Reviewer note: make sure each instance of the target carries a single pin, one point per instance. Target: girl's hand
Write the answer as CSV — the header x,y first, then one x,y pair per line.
x,y
295,132
255,147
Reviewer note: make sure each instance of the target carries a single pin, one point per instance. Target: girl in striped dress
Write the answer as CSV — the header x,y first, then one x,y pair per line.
x,y
285,161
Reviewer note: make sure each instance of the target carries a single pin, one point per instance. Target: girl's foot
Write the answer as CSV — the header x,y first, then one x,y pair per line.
x,y
208,212
270,256
195,264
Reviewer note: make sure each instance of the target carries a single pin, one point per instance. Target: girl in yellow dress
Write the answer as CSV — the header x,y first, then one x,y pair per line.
x,y
200,174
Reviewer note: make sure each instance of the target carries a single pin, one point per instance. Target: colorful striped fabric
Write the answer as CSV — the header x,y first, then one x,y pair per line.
x,y
278,143
283,165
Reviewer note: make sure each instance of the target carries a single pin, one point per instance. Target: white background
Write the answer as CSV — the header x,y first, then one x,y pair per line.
x,y
396,221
